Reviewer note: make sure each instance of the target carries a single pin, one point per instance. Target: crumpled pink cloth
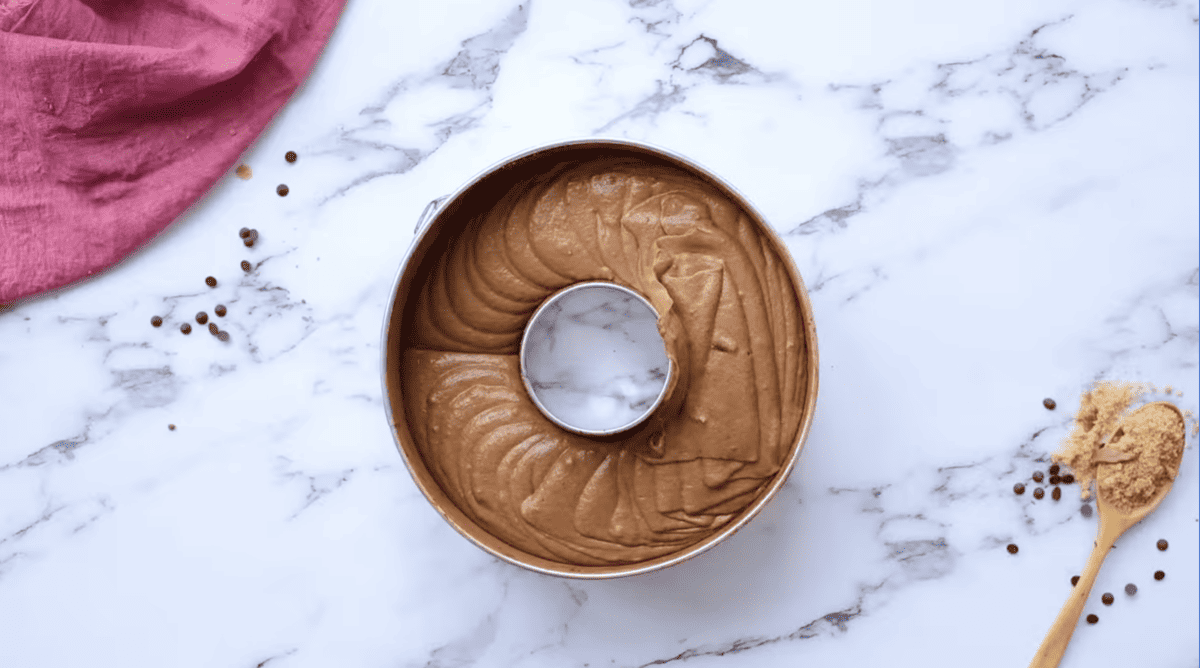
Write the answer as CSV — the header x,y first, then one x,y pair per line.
x,y
116,115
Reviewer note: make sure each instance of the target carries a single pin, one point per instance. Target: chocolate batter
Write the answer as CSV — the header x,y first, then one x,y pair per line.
x,y
731,323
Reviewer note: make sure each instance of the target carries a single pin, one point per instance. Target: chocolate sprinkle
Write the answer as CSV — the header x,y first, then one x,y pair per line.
x,y
1056,494
1158,575
1161,544
1049,403
1012,548
1074,580
1131,589
1106,599
220,310
212,328
290,156
156,321
1018,488
202,317
245,266
1092,619
210,282
185,328
1038,493
282,190
244,232
1037,476
1054,469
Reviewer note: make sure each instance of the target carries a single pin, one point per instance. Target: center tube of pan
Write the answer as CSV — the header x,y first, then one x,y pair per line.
x,y
592,359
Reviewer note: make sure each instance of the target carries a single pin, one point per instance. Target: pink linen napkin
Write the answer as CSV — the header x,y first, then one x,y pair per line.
x,y
116,115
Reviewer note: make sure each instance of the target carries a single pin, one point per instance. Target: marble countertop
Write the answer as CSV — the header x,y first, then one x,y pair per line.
x,y
991,204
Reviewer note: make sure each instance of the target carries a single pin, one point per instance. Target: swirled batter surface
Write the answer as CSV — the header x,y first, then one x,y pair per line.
x,y
730,318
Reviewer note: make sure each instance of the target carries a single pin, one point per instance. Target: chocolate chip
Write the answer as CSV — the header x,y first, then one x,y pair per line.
x,y
1054,480
1049,403
1158,575
281,190
1056,494
220,310
290,156
244,232
213,329
1012,548
1161,544
171,427
1131,589
210,282
1037,476
1085,510
224,336
1074,580
1054,469
1106,599
202,317
1018,488
185,328
1038,493
245,266
156,321
1067,479
1092,619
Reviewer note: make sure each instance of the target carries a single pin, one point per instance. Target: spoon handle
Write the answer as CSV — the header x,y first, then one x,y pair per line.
x,y
1055,644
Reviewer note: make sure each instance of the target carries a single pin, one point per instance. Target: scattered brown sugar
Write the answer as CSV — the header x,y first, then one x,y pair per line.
x,y
171,427
281,190
1106,599
1092,619
1161,544
1012,548
1049,403
1154,435
1018,488
1100,410
156,321
220,310
185,328
290,156
243,171
1038,493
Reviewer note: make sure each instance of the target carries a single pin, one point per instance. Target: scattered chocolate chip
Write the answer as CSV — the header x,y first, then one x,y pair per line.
x,y
1054,469
281,190
248,242
1085,510
1012,548
1158,575
1161,544
224,336
1038,493
1054,480
1067,479
244,232
1018,488
210,282
1056,494
244,172
1131,589
156,321
212,328
202,317
1106,599
290,156
171,427
1049,403
185,328
245,266
1092,619
1037,476
220,310
1074,580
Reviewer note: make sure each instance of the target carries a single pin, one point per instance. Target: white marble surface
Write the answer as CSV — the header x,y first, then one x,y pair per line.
x,y
991,203
593,358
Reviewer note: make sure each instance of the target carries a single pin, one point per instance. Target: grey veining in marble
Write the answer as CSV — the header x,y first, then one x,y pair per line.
x,y
594,359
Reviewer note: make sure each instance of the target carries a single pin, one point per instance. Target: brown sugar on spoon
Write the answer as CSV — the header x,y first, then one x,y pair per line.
x,y
1150,443
1100,410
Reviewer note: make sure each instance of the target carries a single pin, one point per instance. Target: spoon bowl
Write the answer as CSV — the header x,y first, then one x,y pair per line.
x,y
1113,523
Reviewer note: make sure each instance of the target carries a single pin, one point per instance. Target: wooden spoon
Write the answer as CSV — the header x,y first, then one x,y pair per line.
x,y
1113,523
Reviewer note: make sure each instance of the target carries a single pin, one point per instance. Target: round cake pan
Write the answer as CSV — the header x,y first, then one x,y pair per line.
x,y
442,220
